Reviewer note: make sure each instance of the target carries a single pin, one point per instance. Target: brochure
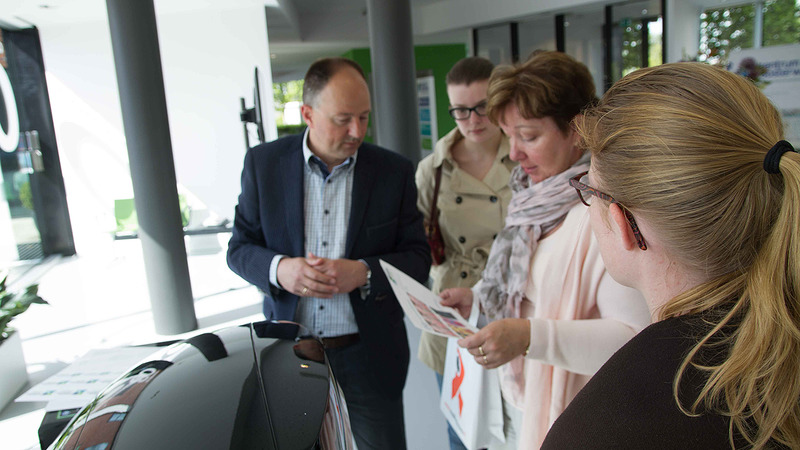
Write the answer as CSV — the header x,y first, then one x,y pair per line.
x,y
422,306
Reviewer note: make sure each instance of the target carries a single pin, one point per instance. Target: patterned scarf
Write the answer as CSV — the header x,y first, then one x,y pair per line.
x,y
533,211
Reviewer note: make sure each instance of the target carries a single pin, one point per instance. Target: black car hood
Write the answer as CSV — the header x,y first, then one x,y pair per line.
x,y
263,385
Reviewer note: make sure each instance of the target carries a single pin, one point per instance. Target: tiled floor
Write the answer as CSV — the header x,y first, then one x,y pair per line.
x,y
99,300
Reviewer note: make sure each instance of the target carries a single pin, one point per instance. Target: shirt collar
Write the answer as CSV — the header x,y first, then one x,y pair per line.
x,y
308,154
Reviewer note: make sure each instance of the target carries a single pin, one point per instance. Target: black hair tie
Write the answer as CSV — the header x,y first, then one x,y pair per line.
x,y
773,158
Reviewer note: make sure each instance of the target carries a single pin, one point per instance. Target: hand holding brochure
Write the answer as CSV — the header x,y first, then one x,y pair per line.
x,y
422,306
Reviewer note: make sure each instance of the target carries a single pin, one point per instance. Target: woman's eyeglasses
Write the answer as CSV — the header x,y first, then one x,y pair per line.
x,y
585,193
463,113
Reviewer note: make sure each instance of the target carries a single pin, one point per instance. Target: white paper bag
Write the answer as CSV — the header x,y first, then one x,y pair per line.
x,y
471,399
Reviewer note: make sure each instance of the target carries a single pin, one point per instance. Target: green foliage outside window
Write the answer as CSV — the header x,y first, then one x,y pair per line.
x,y
286,130
781,22
25,195
656,56
283,93
631,46
726,29
732,28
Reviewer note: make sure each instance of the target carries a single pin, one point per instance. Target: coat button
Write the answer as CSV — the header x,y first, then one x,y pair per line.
x,y
462,239
463,274
493,199
458,199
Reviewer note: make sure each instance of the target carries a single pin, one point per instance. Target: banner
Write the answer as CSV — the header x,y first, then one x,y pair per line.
x,y
776,70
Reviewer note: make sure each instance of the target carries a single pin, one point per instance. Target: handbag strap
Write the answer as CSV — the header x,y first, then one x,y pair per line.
x,y
435,211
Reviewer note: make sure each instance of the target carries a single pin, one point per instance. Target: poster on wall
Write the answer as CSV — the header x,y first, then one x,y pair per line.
x,y
791,124
426,104
776,70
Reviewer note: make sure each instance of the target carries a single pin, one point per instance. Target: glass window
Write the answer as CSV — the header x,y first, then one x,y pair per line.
x,y
635,37
536,34
583,40
781,22
635,34
725,29
494,43
655,33
631,46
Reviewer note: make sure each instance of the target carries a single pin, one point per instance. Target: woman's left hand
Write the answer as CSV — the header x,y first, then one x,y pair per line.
x,y
499,342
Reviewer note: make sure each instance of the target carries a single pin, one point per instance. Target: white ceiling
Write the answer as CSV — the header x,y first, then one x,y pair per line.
x,y
41,13
299,30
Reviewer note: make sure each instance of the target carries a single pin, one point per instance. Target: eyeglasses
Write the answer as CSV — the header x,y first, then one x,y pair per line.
x,y
585,193
463,113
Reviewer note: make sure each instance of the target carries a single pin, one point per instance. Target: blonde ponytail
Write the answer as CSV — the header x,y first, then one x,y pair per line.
x,y
682,146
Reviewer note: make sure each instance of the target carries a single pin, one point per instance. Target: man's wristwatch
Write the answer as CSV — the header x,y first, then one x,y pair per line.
x,y
369,276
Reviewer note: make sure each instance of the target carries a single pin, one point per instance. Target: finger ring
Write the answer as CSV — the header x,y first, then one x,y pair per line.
x,y
305,290
485,361
480,349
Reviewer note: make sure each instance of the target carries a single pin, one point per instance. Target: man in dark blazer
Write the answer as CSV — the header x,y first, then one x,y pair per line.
x,y
316,213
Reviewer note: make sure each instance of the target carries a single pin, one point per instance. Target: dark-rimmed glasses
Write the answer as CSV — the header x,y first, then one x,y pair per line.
x,y
585,193
463,113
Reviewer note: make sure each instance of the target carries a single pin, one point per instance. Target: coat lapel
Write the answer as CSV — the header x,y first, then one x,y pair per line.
x,y
362,186
292,173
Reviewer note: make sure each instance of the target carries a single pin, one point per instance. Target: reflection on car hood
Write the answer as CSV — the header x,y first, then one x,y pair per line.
x,y
262,385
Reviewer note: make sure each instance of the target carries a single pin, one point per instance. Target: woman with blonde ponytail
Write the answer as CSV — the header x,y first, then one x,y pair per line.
x,y
690,159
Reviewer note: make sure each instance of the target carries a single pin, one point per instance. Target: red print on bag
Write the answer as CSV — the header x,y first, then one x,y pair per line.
x,y
457,380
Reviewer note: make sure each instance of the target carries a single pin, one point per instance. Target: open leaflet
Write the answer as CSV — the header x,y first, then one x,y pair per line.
x,y
422,306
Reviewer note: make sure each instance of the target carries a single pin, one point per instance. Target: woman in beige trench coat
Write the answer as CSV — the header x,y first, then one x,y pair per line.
x,y
473,194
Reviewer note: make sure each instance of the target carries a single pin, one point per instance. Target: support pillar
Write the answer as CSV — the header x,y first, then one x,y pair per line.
x,y
134,39
394,82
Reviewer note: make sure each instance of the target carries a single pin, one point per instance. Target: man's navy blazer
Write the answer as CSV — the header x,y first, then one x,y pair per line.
x,y
384,224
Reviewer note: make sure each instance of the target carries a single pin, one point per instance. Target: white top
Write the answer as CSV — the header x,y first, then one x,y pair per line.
x,y
579,317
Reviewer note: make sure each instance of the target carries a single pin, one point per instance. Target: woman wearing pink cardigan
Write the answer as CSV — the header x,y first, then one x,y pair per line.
x,y
556,314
